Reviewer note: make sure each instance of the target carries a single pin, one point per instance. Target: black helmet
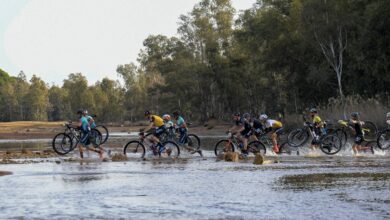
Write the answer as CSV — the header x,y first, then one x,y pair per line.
x,y
175,113
236,114
313,110
246,115
80,111
147,113
355,114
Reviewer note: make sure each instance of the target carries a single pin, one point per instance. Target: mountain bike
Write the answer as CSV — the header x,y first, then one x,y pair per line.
x,y
329,143
65,142
232,143
266,140
370,131
137,149
172,134
383,139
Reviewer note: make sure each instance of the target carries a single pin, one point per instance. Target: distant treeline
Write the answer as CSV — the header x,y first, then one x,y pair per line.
x,y
278,56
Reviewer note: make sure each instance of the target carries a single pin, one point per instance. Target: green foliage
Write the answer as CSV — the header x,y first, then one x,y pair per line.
x,y
273,58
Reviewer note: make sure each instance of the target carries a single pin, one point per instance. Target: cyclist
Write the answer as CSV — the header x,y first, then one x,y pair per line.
x,y
273,126
183,129
90,119
356,126
318,128
158,123
85,128
167,121
388,119
242,125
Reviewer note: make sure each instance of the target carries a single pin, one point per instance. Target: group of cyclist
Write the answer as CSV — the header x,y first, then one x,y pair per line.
x,y
245,126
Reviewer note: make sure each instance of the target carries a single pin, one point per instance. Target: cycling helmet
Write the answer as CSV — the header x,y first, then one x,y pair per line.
x,y
263,117
85,111
166,117
175,113
388,115
80,111
236,114
355,114
147,113
313,110
246,115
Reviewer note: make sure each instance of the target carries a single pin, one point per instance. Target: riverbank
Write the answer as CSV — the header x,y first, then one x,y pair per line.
x,y
22,130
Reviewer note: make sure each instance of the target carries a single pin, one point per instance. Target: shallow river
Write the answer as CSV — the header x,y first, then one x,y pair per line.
x,y
339,187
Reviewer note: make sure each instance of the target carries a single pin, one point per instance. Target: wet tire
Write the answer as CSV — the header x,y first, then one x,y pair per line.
x,y
223,146
330,144
96,138
368,148
370,130
342,135
298,137
255,147
193,141
62,144
134,149
172,150
104,132
285,149
383,140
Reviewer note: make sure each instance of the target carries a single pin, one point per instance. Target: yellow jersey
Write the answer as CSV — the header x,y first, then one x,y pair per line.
x,y
317,121
157,120
273,124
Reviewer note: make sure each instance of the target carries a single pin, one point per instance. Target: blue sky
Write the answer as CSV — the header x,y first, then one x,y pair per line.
x,y
53,38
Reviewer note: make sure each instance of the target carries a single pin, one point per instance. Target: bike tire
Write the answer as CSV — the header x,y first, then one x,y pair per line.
x,y
383,140
330,144
61,139
369,147
134,149
370,130
193,141
104,132
173,147
302,136
340,133
256,147
221,147
285,149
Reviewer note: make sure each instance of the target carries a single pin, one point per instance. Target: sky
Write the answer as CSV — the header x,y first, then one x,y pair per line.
x,y
53,38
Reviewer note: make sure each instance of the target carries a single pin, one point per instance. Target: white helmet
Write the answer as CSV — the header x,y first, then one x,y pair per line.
x,y
263,117
166,117
388,115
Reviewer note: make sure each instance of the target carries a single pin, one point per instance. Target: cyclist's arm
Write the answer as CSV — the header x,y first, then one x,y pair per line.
x,y
149,127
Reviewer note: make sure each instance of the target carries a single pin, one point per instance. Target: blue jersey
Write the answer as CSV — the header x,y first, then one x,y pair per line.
x,y
89,118
84,124
180,122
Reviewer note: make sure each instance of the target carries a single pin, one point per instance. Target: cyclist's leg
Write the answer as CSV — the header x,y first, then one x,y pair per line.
x,y
274,136
357,146
83,143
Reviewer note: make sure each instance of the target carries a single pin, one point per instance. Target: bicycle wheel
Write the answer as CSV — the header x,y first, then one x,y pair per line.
x,y
330,144
171,150
96,138
62,144
193,141
298,137
370,130
285,149
383,140
342,135
223,146
368,148
134,149
104,132
256,147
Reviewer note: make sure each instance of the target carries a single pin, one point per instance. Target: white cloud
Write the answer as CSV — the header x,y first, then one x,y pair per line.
x,y
52,38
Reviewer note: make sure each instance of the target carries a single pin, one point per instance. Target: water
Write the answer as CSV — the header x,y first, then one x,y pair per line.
x,y
298,187
195,188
